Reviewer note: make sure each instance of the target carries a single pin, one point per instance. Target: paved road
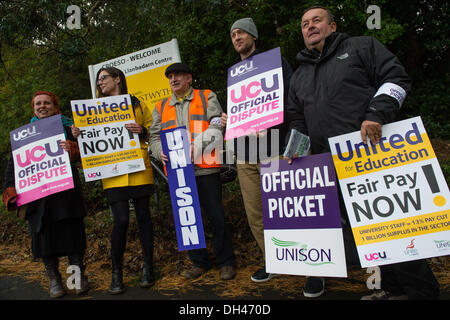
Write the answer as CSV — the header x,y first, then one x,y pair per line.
x,y
18,288
197,304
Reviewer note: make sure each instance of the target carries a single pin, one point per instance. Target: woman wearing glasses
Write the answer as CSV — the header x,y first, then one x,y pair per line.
x,y
137,186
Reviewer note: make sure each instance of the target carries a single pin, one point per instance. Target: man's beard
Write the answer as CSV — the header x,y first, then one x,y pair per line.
x,y
246,49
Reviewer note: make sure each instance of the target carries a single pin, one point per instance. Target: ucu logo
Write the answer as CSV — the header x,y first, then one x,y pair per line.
x,y
375,256
253,89
38,153
94,174
244,68
25,133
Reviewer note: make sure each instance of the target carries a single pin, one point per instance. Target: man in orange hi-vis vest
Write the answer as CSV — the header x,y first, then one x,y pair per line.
x,y
199,111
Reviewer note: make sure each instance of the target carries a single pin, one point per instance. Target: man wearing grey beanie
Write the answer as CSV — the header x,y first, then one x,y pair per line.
x,y
244,34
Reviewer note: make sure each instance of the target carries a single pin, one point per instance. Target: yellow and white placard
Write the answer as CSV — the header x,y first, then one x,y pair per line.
x,y
144,71
107,148
396,196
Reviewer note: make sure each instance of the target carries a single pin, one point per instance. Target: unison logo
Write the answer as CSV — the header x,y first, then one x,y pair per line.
x,y
442,244
309,256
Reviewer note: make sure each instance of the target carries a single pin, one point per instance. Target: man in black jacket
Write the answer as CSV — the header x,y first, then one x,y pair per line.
x,y
345,84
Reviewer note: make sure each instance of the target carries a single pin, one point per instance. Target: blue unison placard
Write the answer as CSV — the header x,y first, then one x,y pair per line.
x,y
183,189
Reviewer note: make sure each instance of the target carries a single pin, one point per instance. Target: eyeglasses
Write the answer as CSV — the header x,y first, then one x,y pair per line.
x,y
102,78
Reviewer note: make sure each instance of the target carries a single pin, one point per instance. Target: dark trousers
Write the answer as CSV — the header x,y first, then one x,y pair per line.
x,y
413,278
209,189
121,214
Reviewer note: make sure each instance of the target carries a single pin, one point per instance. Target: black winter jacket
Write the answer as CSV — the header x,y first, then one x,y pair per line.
x,y
332,93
